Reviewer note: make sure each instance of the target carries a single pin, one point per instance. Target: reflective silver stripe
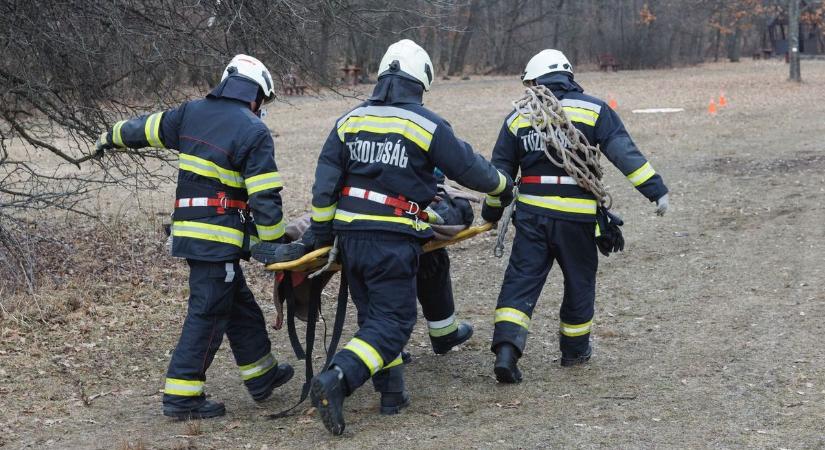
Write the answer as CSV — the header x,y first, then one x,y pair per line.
x,y
390,111
361,122
442,323
227,178
270,178
257,368
230,272
510,119
582,104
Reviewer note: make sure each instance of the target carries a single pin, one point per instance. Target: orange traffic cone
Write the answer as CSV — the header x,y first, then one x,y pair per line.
x,y
712,108
611,102
722,100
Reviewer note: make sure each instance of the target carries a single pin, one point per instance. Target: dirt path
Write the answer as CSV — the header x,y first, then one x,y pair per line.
x,y
707,329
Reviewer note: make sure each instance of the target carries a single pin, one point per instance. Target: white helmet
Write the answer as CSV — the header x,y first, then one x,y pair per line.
x,y
546,61
408,59
249,67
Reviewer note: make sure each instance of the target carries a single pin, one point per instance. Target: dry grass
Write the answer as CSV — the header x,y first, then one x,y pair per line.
x,y
706,329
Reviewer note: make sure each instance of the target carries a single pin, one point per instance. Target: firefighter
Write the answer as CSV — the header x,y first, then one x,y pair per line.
x,y
227,199
555,219
373,182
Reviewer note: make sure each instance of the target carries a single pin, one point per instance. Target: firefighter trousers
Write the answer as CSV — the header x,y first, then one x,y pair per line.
x,y
220,302
381,270
435,292
539,241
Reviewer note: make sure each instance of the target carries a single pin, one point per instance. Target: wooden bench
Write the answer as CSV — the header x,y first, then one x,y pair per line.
x,y
608,62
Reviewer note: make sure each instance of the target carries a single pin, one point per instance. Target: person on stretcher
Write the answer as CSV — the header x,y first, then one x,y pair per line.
x,y
452,213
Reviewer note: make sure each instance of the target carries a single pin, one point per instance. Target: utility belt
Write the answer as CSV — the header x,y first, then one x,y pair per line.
x,y
548,179
199,207
401,205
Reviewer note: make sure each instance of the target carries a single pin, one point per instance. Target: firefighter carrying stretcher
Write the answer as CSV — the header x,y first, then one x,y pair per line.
x,y
373,183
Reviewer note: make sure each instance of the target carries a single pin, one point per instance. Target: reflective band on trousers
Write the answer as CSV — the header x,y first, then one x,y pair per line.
x,y
348,217
208,232
152,130
565,204
258,368
575,330
443,327
395,362
512,315
324,214
641,174
184,388
209,169
270,232
367,354
262,182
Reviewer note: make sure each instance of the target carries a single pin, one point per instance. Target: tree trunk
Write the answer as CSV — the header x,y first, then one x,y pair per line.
x,y
463,41
793,42
733,45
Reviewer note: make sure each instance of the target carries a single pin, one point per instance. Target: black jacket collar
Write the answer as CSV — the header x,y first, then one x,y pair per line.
x,y
559,81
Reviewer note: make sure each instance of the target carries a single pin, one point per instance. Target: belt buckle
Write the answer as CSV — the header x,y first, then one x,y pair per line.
x,y
414,209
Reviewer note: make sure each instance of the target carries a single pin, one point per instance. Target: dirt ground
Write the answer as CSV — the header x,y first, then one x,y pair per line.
x,y
707,331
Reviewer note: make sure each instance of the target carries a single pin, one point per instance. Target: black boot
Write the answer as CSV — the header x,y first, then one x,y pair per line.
x,y
506,367
443,344
327,392
393,402
278,376
569,361
206,410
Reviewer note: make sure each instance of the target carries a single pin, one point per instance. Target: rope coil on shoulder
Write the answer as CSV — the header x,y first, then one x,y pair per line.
x,y
575,155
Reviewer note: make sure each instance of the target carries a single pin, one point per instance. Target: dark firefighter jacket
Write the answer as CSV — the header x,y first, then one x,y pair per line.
x,y
226,155
389,145
555,195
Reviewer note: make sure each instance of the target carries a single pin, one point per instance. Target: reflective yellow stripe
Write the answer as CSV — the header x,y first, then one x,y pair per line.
x,y
518,123
444,329
117,139
324,214
395,362
348,217
367,354
152,130
385,125
262,182
502,183
641,174
493,201
258,368
598,230
184,388
270,232
512,315
581,115
208,232
575,330
565,204
209,169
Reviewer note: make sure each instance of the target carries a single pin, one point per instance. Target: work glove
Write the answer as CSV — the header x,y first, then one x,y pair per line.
x,y
274,252
317,236
662,205
610,240
491,214
103,143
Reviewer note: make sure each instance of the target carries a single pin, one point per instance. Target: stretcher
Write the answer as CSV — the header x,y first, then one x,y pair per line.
x,y
318,258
